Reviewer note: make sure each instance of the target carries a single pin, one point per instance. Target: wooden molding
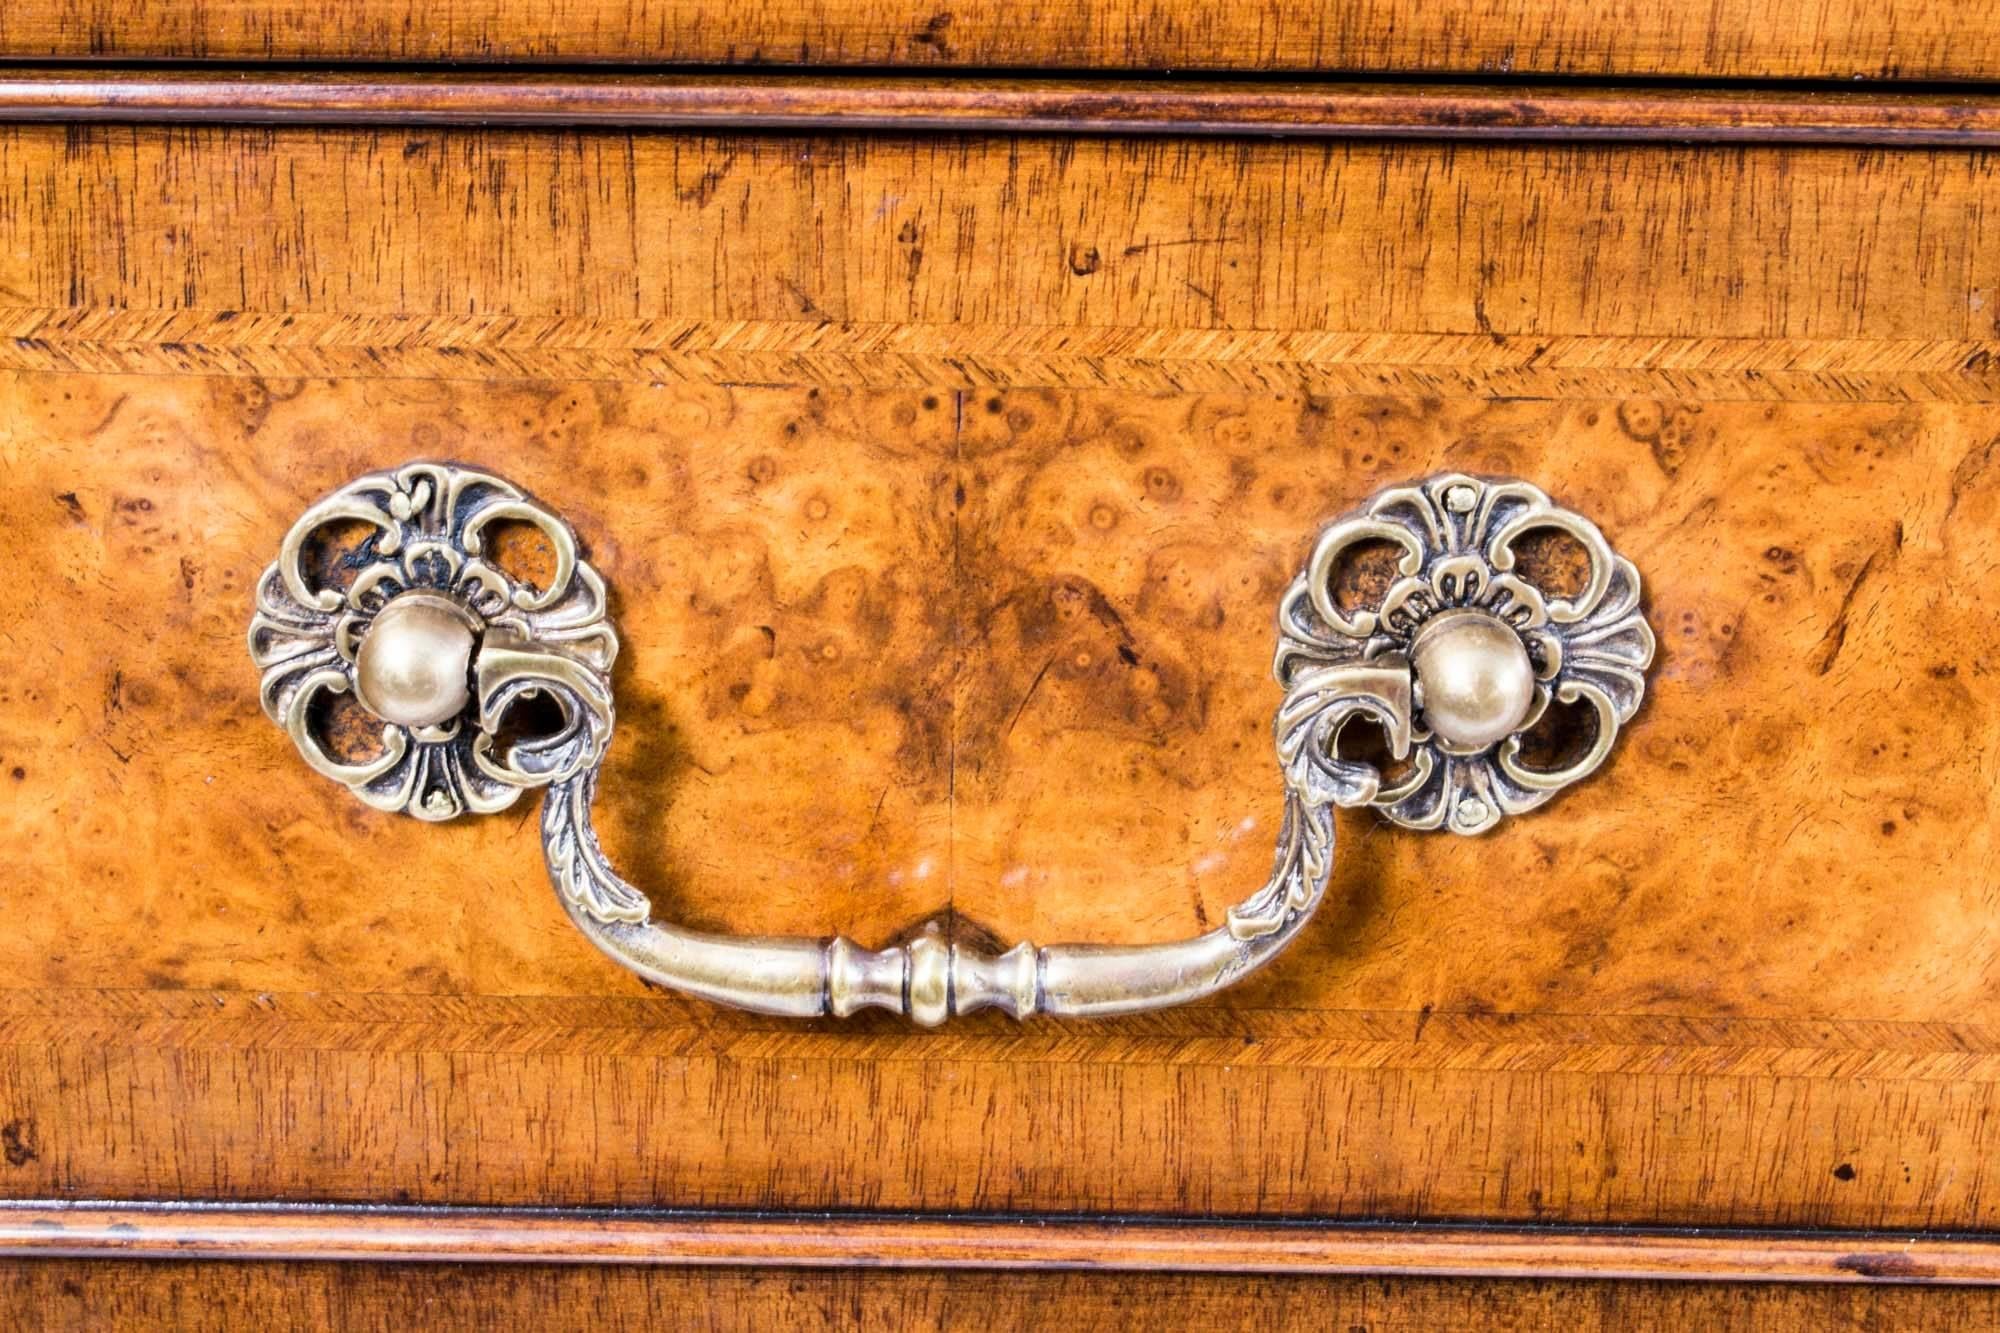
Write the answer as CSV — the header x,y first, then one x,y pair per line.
x,y
93,1295
1815,39
974,105
407,1234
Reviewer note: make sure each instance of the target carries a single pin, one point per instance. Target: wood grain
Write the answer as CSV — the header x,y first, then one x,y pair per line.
x,y
377,1234
1163,267
892,355
63,1295
1828,39
970,645
907,104
997,232
931,694
946,487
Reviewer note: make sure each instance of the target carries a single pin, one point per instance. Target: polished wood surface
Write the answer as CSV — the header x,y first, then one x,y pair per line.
x,y
376,1233
958,104
1749,39
889,654
59,1295
946,488
1546,272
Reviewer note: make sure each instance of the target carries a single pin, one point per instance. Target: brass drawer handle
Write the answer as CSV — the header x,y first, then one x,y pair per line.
x,y
1457,663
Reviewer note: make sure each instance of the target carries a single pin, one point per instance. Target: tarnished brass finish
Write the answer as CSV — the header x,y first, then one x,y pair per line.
x,y
444,646
1474,677
423,588
1491,651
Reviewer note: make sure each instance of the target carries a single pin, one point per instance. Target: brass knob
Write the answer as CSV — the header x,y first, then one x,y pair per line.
x,y
1474,683
414,665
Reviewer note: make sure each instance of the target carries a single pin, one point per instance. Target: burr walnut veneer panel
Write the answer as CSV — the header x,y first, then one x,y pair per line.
x,y
946,490
894,652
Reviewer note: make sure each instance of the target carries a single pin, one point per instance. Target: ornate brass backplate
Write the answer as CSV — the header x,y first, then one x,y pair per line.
x,y
1488,650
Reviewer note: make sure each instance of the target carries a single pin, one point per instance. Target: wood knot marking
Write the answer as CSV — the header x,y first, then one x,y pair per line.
x,y
1887,1266
17,1142
1835,637
932,34
1667,429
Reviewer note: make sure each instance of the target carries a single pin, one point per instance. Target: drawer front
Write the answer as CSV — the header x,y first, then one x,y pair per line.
x,y
946,488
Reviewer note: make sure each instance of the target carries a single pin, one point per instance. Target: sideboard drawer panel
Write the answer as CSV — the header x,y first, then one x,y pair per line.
x,y
946,489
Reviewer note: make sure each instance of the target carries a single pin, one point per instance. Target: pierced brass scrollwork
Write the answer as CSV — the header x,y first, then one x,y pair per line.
x,y
1487,651
441,645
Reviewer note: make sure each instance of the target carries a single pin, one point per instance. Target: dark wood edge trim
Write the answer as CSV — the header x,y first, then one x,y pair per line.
x,y
408,1234
932,104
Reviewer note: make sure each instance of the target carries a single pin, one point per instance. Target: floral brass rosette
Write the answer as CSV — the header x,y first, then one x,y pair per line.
x,y
431,521
1457,536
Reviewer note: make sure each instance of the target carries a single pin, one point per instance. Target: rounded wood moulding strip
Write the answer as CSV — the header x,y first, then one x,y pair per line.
x,y
1815,39
1102,106
404,1234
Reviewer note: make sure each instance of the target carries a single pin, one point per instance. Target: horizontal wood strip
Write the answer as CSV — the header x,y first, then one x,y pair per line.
x,y
1173,234
55,326
1273,1038
707,1131
905,372
102,1295
181,1230
1187,1052
887,355
1874,39
920,104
